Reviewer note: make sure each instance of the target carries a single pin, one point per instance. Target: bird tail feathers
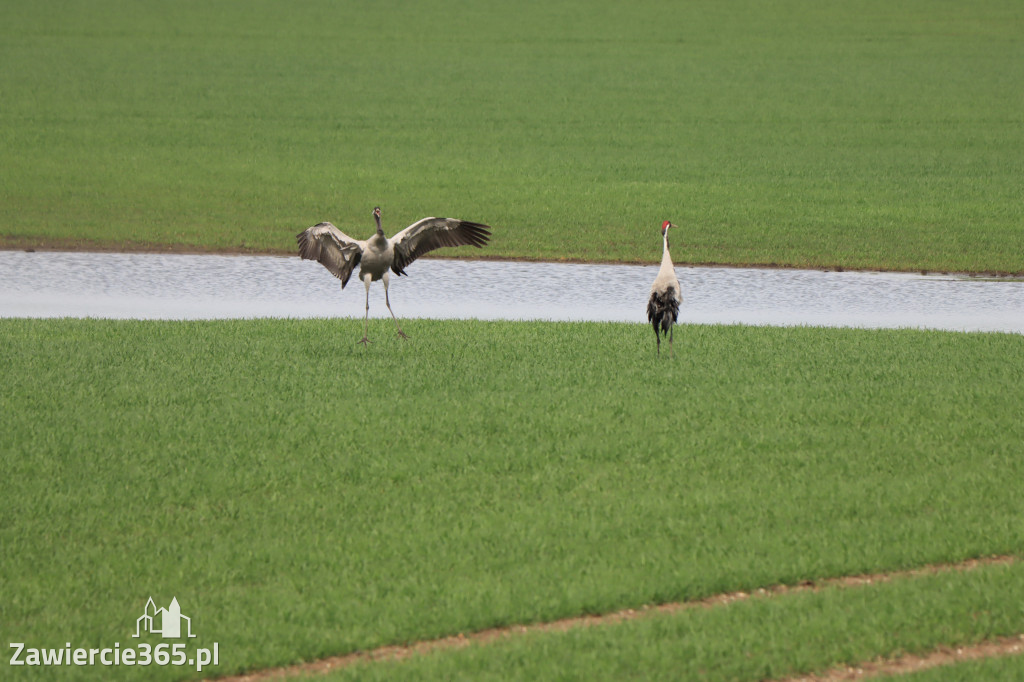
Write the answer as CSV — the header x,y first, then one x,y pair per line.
x,y
662,310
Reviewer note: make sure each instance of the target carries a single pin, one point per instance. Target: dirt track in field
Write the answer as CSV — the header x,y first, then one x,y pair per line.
x,y
942,656
995,648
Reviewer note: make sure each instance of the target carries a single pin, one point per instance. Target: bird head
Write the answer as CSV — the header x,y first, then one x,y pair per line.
x,y
664,227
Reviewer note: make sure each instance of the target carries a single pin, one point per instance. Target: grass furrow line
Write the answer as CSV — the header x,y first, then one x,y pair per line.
x,y
912,663
483,637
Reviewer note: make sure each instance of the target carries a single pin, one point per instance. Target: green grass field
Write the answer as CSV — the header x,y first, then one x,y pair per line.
x,y
870,134
303,496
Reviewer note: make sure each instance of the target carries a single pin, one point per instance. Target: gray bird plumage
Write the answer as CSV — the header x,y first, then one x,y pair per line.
x,y
375,256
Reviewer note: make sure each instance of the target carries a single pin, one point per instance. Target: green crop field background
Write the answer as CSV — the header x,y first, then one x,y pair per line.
x,y
868,134
303,496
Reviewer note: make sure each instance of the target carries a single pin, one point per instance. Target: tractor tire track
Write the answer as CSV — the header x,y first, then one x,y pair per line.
x,y
404,651
911,663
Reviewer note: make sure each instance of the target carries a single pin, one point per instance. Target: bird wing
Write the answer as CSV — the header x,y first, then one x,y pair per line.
x,y
432,233
332,248
674,288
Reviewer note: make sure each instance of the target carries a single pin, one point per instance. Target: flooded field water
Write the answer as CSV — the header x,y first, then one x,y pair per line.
x,y
164,286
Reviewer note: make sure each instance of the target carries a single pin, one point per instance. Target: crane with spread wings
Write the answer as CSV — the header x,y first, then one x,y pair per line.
x,y
378,255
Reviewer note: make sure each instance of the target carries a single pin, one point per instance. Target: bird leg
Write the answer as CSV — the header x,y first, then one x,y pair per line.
x,y
387,301
670,353
366,320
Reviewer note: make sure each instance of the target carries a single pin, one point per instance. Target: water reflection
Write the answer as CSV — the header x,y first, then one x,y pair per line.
x,y
164,286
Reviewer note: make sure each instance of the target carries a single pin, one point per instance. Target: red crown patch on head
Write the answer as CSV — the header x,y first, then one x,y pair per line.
x,y
664,225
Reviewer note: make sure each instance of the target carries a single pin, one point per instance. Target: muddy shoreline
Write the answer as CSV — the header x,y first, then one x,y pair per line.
x,y
83,245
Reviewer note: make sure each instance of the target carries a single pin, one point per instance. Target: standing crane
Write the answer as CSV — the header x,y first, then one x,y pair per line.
x,y
340,254
663,304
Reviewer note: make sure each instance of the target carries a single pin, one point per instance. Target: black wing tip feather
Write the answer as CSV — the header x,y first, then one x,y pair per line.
x,y
477,234
308,248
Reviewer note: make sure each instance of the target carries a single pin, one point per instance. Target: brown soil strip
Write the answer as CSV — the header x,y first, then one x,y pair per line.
x,y
1004,646
11,243
398,652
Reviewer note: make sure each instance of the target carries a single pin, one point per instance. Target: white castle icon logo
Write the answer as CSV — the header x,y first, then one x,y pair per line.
x,y
170,621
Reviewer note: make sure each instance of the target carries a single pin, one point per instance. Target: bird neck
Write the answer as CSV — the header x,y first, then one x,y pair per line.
x,y
666,259
380,230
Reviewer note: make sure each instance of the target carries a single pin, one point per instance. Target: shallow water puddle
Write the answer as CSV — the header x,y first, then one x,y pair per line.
x,y
179,286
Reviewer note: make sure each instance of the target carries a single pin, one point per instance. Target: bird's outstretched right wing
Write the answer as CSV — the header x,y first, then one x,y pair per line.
x,y
332,248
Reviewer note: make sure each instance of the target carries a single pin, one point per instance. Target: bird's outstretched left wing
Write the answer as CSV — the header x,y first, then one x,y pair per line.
x,y
332,248
432,233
